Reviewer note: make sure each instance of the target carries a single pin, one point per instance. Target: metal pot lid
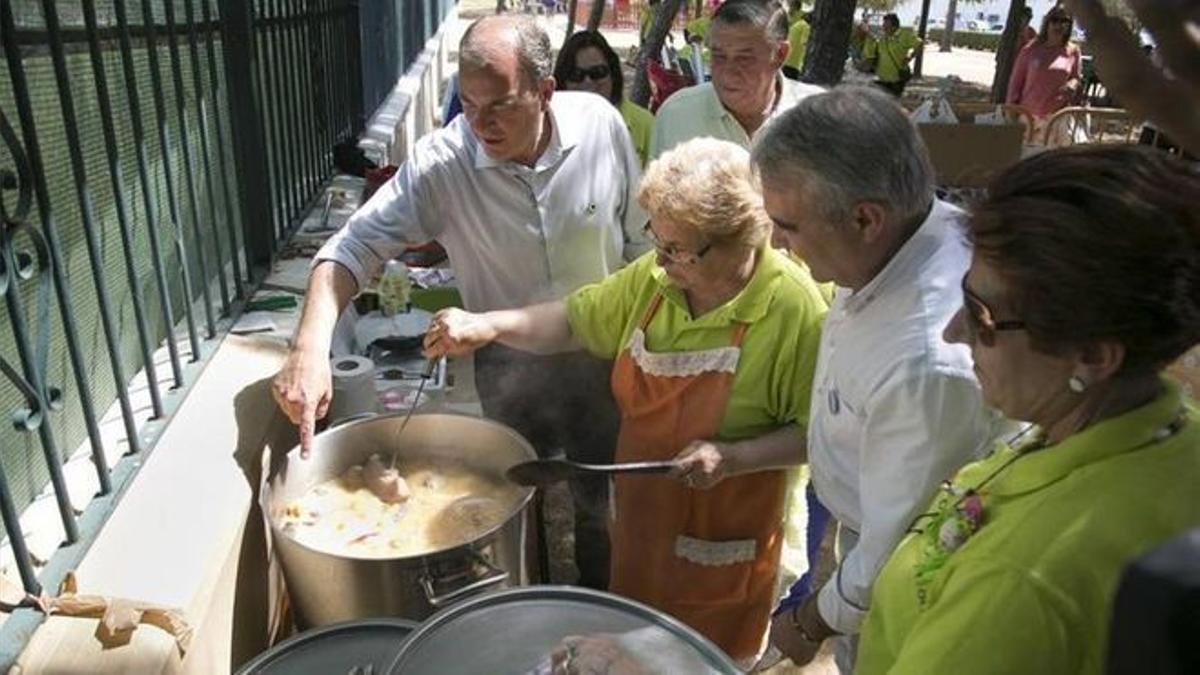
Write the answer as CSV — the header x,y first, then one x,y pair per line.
x,y
336,648
513,632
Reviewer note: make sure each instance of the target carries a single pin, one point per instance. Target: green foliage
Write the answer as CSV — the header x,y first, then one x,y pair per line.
x,y
967,39
878,5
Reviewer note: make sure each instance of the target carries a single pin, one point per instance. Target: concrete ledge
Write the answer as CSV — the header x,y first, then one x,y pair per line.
x,y
187,533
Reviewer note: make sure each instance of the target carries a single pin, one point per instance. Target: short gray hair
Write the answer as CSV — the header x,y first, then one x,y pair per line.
x,y
852,144
529,39
768,16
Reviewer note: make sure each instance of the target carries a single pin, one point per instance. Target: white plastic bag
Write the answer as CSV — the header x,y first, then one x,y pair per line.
x,y
996,117
934,111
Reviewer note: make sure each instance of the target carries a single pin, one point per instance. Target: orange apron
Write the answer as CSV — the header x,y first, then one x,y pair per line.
x,y
707,557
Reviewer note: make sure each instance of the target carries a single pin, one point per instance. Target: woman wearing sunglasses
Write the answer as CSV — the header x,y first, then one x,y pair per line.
x,y
587,63
715,336
1046,75
1084,286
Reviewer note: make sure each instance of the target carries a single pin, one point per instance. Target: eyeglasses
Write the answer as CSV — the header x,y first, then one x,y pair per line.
x,y
1060,19
672,252
595,73
980,321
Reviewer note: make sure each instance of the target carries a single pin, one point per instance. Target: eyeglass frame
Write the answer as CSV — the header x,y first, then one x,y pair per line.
x,y
672,252
981,325
577,75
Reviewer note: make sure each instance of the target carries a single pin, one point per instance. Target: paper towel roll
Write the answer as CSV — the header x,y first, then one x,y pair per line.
x,y
353,387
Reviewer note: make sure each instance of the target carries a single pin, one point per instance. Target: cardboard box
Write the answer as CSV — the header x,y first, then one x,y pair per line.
x,y
968,154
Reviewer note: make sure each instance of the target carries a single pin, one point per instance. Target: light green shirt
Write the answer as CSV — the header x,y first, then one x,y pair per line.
x,y
641,126
891,53
696,112
1031,591
797,43
781,304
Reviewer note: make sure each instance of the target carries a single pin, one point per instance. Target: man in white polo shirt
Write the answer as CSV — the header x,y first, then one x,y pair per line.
x,y
748,42
533,194
895,409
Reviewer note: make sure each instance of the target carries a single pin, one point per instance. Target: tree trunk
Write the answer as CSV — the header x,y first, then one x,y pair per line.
x,y
828,41
596,15
660,25
922,32
500,6
1006,53
572,5
948,31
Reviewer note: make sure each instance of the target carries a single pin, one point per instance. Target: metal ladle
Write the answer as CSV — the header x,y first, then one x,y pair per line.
x,y
430,366
541,472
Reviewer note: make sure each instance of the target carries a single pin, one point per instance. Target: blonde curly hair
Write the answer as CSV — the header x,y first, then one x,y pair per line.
x,y
708,184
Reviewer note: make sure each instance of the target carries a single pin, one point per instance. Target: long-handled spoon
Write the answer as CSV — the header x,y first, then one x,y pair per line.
x,y
541,472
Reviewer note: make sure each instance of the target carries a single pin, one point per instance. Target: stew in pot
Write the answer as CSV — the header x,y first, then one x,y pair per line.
x,y
368,513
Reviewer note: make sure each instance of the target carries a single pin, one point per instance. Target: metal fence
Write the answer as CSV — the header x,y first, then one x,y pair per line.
x,y
393,34
156,155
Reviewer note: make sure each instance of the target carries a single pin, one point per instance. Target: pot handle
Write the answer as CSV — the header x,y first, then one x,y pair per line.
x,y
493,576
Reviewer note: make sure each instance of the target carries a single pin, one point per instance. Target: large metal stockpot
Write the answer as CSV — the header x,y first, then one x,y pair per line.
x,y
326,588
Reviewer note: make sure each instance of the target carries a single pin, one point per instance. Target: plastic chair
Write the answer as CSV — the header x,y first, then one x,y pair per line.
x,y
1075,125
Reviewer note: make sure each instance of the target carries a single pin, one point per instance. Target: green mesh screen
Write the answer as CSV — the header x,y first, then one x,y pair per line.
x,y
21,453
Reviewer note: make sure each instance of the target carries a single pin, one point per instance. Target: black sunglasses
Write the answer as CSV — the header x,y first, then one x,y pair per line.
x,y
981,322
1060,19
594,73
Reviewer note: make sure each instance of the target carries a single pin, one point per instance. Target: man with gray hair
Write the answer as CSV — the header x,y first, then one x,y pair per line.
x,y
749,43
533,194
895,409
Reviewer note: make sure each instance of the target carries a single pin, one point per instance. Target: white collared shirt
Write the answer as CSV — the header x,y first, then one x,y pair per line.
x,y
895,409
695,112
516,235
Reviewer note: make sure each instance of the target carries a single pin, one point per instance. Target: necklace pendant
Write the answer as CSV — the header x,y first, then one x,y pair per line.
x,y
971,509
952,534
961,522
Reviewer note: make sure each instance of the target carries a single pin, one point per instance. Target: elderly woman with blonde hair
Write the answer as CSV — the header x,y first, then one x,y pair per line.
x,y
715,337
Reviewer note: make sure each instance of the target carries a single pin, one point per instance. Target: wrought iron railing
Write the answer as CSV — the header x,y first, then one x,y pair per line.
x,y
156,155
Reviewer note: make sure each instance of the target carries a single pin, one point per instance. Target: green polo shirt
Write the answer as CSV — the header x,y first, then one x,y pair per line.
x,y
797,43
1030,592
891,53
640,123
781,304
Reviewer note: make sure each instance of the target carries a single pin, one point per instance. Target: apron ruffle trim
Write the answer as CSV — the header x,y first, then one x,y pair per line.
x,y
682,364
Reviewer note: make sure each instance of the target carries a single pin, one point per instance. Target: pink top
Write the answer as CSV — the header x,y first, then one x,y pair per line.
x,y
1039,75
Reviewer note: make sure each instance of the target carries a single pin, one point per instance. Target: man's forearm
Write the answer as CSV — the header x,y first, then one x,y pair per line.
x,y
330,287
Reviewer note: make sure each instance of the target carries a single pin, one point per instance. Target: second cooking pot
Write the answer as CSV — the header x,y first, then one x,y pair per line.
x,y
514,632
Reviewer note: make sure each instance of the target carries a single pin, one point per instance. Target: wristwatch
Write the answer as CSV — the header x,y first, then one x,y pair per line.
x,y
812,633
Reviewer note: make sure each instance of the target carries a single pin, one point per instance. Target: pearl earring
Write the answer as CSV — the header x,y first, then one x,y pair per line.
x,y
1077,384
